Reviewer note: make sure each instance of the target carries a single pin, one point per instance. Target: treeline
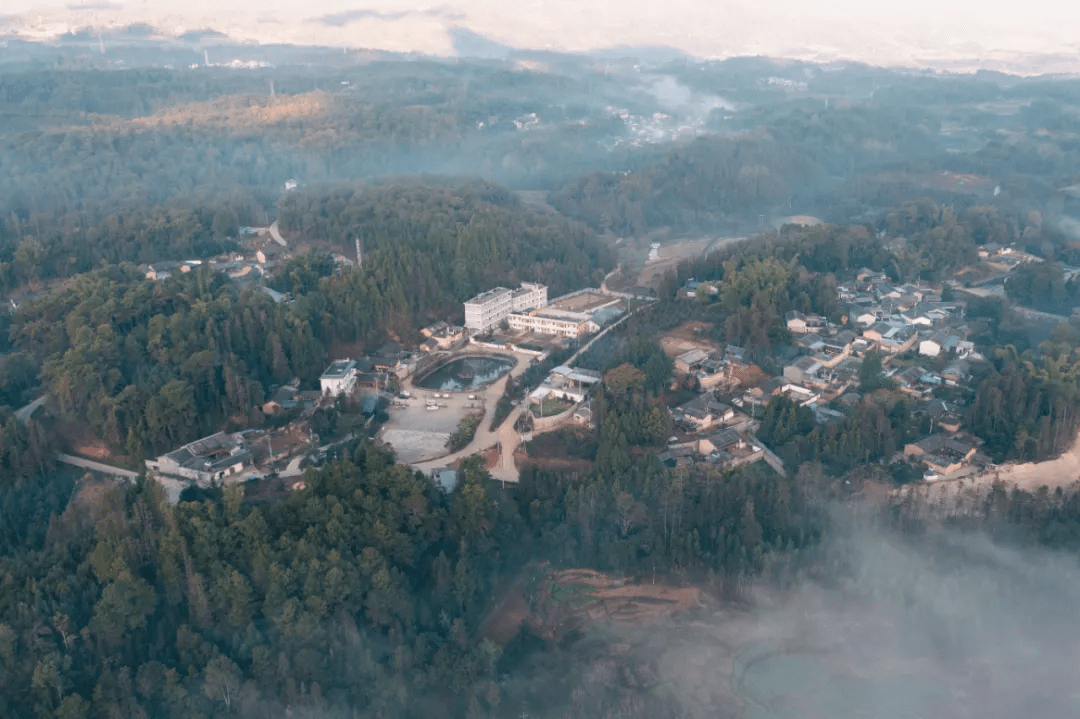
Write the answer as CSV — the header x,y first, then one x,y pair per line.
x,y
1027,406
148,365
1043,286
361,593
876,429
642,517
80,147
193,227
427,246
913,241
694,186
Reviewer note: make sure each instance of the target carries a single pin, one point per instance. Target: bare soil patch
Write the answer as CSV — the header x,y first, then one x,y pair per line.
x,y
76,438
573,600
1062,472
490,457
505,620
689,336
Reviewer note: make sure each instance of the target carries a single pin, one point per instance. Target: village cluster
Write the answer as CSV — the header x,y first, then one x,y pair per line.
x,y
921,339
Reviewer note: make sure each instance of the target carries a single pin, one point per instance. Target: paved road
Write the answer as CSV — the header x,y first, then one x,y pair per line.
x,y
484,438
506,438
96,466
275,233
24,413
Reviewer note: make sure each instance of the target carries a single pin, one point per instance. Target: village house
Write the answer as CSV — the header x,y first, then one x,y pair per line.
x,y
442,336
797,394
803,371
937,343
890,338
798,323
690,288
702,413
689,361
289,397
942,454
711,372
726,448
569,383
205,461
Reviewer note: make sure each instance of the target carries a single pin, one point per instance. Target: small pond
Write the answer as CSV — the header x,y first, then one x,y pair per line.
x,y
466,373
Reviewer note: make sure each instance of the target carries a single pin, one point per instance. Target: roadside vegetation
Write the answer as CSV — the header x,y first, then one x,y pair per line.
x,y
459,439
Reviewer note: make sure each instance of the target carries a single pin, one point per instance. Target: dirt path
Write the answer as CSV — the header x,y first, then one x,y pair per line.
x,y
1029,477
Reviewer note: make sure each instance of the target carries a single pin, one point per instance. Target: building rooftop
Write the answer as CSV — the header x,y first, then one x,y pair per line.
x,y
488,295
693,357
212,453
339,369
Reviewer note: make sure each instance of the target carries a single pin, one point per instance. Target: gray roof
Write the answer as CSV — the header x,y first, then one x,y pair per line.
x,y
725,438
339,369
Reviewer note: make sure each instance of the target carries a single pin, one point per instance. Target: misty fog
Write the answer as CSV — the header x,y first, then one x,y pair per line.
x,y
948,625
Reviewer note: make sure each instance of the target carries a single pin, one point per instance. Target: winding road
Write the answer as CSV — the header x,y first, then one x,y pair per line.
x,y
506,438
275,233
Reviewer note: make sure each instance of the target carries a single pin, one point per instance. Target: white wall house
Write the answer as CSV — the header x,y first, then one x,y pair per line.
x,y
339,378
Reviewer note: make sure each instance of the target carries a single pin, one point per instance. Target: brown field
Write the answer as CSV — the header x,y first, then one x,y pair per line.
x,y
77,439
574,599
688,336
505,620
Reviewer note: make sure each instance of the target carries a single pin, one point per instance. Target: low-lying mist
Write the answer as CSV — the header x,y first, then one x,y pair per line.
x,y
949,625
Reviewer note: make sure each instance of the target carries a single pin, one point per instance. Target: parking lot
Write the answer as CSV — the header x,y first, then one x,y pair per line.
x,y
417,433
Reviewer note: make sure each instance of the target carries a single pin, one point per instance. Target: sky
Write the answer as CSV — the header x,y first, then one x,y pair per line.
x,y
887,33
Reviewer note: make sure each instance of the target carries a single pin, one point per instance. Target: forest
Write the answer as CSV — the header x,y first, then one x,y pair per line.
x,y
365,591
430,243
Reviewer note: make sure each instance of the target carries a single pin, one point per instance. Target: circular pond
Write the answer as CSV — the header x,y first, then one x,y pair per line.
x,y
466,373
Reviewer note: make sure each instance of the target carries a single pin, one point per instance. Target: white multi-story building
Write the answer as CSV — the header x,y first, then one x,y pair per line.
x,y
485,311
339,378
550,321
528,296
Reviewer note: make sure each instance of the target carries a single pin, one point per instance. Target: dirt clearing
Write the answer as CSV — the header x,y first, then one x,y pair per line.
x,y
1029,476
689,336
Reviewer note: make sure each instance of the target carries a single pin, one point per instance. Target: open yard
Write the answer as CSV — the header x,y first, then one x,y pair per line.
x,y
549,407
584,302
689,336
